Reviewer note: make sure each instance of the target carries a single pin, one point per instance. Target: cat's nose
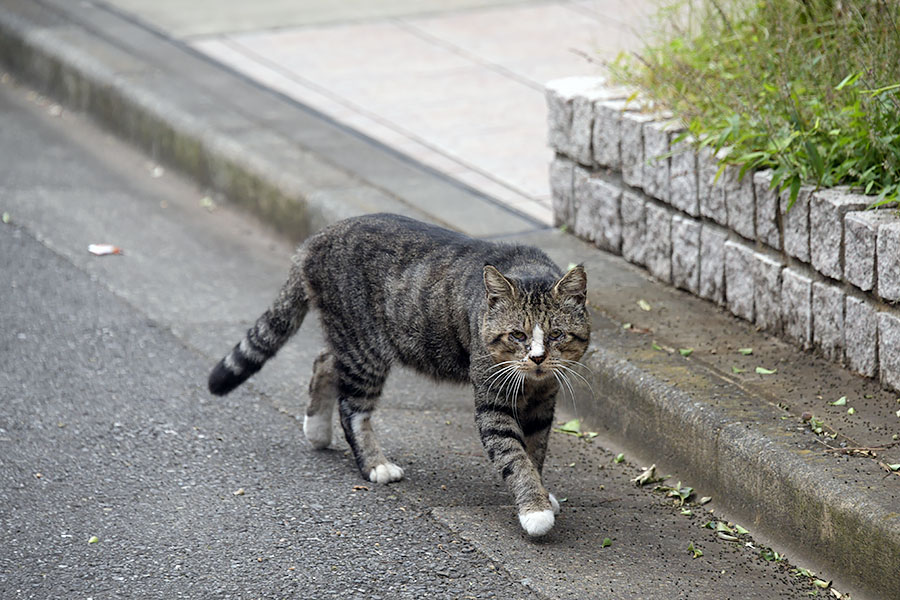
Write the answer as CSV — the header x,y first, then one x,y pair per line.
x,y
537,359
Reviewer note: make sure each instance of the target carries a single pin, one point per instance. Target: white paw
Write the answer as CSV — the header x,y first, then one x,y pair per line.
x,y
554,504
537,522
386,473
318,430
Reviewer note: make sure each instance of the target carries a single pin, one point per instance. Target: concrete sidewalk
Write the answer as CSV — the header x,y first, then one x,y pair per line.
x,y
457,85
741,437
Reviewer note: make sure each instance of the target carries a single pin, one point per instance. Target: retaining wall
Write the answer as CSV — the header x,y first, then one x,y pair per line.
x,y
824,274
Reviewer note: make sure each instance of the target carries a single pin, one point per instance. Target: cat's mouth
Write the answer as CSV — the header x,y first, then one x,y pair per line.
x,y
540,371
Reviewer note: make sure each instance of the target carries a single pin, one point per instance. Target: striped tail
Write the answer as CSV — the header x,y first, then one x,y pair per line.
x,y
264,339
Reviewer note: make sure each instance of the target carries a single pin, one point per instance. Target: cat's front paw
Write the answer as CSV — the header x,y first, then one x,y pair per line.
x,y
537,522
385,473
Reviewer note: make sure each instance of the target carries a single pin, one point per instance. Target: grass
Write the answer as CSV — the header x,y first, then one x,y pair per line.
x,y
808,88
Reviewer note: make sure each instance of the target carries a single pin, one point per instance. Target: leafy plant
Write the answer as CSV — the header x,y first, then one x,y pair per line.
x,y
809,89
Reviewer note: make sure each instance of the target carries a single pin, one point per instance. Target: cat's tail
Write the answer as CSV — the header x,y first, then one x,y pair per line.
x,y
265,338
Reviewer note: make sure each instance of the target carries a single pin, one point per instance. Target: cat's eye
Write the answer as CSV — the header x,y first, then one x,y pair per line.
x,y
517,336
557,334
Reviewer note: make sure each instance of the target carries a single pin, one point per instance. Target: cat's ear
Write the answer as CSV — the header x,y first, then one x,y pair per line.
x,y
497,287
572,286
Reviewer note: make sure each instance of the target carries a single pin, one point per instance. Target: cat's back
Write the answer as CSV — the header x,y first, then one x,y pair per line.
x,y
381,246
376,236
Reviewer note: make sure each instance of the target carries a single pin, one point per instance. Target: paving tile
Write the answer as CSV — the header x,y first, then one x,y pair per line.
x,y
535,41
205,17
467,84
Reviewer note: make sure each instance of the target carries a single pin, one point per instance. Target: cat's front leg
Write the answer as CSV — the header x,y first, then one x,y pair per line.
x,y
536,425
504,441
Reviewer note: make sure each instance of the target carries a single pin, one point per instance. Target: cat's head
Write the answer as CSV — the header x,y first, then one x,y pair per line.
x,y
535,327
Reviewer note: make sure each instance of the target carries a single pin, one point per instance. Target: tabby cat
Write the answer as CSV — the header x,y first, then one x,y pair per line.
x,y
390,289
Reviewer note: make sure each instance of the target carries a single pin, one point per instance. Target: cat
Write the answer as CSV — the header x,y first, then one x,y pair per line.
x,y
391,289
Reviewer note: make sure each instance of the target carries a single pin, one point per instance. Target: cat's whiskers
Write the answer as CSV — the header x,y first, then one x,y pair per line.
x,y
517,385
559,382
510,374
575,363
566,385
492,380
509,388
579,376
502,363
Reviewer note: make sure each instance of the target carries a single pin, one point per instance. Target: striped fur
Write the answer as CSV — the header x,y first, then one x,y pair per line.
x,y
388,289
263,340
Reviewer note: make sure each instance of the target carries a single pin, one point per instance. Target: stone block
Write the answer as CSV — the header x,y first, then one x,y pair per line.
x,y
861,336
659,241
889,349
796,307
739,295
712,263
740,202
582,129
656,158
597,216
561,190
795,222
559,117
634,227
709,188
860,235
828,320
826,228
570,114
582,217
768,226
887,257
633,147
607,133
767,292
686,253
683,178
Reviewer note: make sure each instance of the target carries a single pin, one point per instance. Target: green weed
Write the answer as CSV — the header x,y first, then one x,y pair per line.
x,y
808,88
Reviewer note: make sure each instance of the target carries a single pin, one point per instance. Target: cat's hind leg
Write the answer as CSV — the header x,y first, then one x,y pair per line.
x,y
356,419
356,404
323,391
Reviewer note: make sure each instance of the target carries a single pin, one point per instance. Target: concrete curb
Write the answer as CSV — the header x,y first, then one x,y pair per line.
x,y
683,414
214,135
730,452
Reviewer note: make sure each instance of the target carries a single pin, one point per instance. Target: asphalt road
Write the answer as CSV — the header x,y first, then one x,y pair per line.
x,y
121,477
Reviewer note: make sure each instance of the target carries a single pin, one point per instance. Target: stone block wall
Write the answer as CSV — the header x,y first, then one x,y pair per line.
x,y
824,274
